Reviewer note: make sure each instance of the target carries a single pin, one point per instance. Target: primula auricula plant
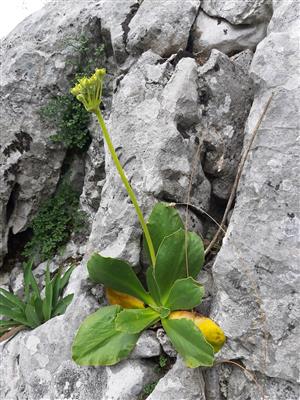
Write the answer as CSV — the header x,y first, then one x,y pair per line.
x,y
176,257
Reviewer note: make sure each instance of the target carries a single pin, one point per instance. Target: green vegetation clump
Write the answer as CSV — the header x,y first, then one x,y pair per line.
x,y
52,226
71,121
147,390
34,309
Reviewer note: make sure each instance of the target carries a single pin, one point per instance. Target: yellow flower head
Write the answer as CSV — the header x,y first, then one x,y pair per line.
x,y
211,331
89,90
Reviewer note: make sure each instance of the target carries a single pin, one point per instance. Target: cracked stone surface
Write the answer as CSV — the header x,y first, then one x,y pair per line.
x,y
226,96
256,271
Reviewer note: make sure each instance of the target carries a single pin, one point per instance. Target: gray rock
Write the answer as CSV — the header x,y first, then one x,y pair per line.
x,y
115,18
225,100
147,346
94,175
193,222
255,299
180,383
125,381
166,343
242,386
213,33
13,280
157,157
243,59
162,27
71,381
239,12
285,17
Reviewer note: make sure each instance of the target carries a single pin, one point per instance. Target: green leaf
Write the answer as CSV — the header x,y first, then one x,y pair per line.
x,y
136,320
63,304
189,342
171,260
29,280
164,312
4,301
38,305
47,302
152,286
14,314
32,316
55,282
163,221
98,342
118,275
7,325
27,267
185,294
65,279
11,299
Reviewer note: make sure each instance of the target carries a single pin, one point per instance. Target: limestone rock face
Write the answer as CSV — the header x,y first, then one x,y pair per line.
x,y
33,68
256,270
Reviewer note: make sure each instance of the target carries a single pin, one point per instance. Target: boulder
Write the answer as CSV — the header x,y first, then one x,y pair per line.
x,y
239,12
180,383
162,26
213,33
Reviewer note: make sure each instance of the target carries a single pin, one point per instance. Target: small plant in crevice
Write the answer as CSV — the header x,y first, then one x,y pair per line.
x,y
175,256
54,222
34,309
164,363
71,121
147,390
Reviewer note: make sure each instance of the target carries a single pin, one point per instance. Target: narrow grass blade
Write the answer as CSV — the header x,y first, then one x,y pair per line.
x,y
12,298
62,305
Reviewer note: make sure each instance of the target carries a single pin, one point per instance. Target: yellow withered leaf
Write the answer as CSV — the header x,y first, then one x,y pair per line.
x,y
211,331
122,299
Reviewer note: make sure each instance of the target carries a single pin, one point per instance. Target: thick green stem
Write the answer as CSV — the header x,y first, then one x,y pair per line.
x,y
127,186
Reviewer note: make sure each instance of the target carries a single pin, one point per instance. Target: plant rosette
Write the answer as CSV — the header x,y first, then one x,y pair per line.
x,y
34,309
176,257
